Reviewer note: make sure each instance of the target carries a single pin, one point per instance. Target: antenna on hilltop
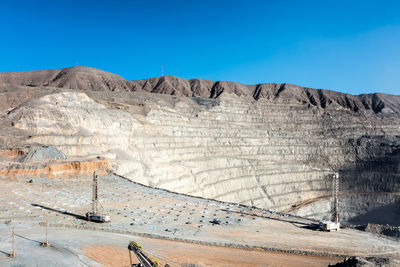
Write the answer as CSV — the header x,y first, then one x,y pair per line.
x,y
162,70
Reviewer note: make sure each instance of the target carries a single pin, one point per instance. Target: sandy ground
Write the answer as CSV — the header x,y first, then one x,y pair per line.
x,y
141,211
109,256
80,247
181,254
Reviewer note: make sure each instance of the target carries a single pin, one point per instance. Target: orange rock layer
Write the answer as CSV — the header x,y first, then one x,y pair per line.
x,y
11,152
60,170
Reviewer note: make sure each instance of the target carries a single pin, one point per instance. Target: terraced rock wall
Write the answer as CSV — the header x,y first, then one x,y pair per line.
x,y
277,155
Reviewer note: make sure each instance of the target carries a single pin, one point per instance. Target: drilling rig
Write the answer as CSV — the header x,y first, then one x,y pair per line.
x,y
94,215
334,224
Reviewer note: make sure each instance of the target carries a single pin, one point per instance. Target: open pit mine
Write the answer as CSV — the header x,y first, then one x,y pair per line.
x,y
199,173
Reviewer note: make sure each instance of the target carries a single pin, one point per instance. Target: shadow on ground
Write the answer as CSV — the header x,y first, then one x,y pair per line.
x,y
304,225
28,239
77,216
388,214
5,253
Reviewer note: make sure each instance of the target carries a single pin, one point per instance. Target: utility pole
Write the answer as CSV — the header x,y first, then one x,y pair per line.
x,y
46,242
47,239
13,255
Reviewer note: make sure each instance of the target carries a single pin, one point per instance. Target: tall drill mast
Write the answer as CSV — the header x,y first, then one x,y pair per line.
x,y
95,201
335,189
334,224
94,215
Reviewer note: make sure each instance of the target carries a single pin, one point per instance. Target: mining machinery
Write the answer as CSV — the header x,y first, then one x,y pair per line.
x,y
145,258
94,214
334,223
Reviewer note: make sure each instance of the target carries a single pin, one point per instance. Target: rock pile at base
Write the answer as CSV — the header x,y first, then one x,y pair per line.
x,y
388,230
367,262
42,154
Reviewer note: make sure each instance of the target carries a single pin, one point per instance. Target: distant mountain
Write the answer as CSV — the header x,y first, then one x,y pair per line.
x,y
86,78
81,78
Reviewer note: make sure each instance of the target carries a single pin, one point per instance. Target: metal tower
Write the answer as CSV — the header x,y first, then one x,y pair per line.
x,y
335,192
95,201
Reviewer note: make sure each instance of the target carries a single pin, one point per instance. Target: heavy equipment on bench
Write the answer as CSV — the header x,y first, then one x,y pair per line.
x,y
94,215
145,258
334,224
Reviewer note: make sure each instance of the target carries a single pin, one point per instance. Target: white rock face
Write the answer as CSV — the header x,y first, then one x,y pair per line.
x,y
69,113
264,153
77,124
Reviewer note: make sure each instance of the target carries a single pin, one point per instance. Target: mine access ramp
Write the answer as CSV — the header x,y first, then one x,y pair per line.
x,y
145,258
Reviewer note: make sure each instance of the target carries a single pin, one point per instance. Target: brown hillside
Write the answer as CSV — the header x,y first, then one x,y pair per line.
x,y
86,78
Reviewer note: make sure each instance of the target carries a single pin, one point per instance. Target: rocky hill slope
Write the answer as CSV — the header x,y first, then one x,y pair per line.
x,y
80,78
271,146
85,78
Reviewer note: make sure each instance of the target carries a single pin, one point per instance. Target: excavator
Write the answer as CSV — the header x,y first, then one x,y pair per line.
x,y
145,258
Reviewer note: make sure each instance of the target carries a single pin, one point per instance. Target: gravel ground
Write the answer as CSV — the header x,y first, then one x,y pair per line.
x,y
149,212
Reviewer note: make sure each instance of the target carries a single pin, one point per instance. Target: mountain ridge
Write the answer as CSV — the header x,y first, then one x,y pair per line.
x,y
87,78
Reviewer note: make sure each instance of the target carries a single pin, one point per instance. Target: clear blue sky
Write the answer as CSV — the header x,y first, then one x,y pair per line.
x,y
349,46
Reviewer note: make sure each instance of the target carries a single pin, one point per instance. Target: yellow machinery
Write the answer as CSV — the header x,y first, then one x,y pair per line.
x,y
145,258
